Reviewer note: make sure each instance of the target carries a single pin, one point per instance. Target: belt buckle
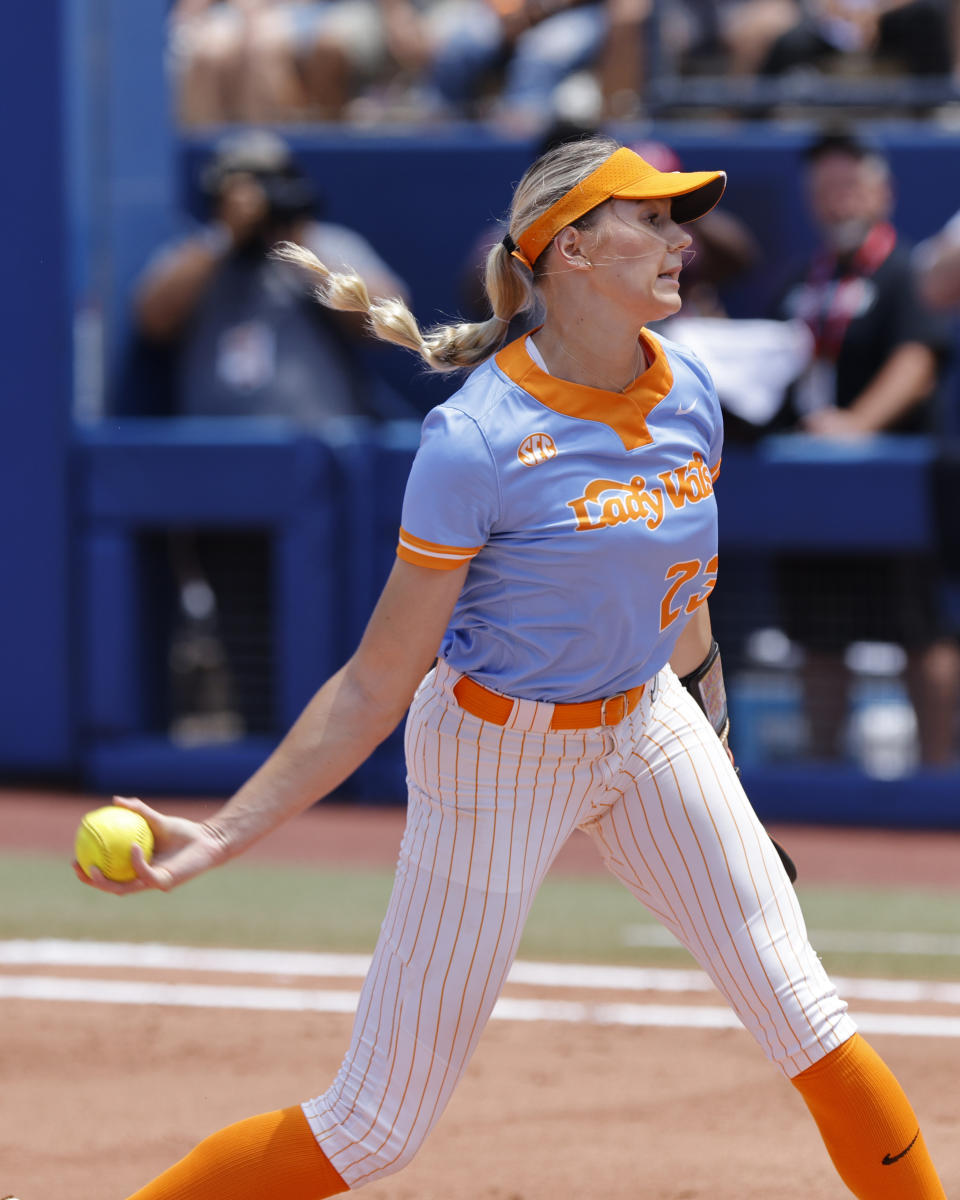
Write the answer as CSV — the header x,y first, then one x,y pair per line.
x,y
622,696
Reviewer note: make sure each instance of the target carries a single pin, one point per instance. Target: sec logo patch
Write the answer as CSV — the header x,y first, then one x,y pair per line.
x,y
536,448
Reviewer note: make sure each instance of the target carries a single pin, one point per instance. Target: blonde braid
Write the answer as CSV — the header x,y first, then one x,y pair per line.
x,y
509,284
443,347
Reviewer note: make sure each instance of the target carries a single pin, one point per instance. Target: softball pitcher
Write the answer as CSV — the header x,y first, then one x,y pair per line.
x,y
557,551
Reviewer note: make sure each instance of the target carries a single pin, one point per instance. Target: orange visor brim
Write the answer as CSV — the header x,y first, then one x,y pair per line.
x,y
624,176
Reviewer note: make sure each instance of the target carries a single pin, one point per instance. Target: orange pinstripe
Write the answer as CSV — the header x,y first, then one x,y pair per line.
x,y
518,923
796,917
792,927
443,989
726,926
359,1178
524,888
555,846
760,906
720,907
692,891
433,949
378,1023
490,806
668,918
469,972
322,1133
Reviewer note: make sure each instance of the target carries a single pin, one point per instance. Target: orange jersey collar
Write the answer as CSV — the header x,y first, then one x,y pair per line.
x,y
625,412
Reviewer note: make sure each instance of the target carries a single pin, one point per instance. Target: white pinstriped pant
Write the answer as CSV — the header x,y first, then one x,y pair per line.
x,y
489,807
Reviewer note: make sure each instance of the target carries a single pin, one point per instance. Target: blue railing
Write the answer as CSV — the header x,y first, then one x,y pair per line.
x,y
331,508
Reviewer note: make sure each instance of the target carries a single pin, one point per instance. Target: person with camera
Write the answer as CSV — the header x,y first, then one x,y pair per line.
x,y
229,332
245,335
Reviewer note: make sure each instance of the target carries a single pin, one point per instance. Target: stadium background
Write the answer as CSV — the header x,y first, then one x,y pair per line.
x,y
100,1064
90,487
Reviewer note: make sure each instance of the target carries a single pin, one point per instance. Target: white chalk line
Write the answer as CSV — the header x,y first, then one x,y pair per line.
x,y
933,945
293,965
298,964
102,991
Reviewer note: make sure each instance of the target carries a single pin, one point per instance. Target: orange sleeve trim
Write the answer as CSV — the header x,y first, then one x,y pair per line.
x,y
421,560
408,539
433,554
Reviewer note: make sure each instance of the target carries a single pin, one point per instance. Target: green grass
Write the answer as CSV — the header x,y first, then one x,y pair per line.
x,y
292,908
306,908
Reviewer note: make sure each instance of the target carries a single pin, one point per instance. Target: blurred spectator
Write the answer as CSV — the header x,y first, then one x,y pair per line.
x,y
912,36
752,362
248,341
309,58
206,42
621,66
878,360
508,57
545,44
748,28
523,62
268,60
724,36
246,336
256,61
937,262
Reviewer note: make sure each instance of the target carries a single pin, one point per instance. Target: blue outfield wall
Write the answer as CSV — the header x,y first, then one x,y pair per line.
x,y
100,176
36,715
87,148
422,198
331,508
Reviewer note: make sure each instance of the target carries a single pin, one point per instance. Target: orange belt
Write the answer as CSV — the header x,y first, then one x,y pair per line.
x,y
588,714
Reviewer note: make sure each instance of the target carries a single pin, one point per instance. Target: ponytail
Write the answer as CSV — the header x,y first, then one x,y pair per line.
x,y
509,282
443,347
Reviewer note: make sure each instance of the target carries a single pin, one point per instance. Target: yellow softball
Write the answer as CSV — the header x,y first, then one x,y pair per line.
x,y
105,837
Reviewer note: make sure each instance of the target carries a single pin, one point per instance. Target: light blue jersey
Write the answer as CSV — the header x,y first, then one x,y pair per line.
x,y
588,519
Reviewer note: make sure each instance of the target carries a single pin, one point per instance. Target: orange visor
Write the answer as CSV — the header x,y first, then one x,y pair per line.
x,y
624,176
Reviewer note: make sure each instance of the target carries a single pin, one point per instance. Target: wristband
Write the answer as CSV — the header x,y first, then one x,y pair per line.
x,y
705,684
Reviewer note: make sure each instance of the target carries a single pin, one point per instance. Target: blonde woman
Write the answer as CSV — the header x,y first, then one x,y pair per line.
x,y
557,549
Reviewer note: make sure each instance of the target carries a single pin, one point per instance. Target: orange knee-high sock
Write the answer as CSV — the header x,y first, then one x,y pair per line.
x,y
274,1154
868,1126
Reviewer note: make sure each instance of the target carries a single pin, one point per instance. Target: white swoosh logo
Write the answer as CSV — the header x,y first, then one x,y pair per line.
x,y
690,407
